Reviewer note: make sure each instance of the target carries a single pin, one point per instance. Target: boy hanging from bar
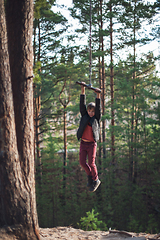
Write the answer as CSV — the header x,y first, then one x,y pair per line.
x,y
88,132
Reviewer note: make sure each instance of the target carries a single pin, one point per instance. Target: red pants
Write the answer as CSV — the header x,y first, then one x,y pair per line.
x,y
88,148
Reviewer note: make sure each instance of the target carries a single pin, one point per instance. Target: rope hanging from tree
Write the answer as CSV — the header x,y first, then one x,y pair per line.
x,y
90,45
89,86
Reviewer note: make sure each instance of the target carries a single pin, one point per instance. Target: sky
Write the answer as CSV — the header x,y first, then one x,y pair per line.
x,y
66,3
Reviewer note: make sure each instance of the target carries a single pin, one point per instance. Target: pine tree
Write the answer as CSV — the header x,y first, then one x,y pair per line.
x,y
132,18
45,23
18,205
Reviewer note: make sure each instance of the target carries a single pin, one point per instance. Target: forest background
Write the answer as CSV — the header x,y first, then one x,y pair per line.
x,y
128,151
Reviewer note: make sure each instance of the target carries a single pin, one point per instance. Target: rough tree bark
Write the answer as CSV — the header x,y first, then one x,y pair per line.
x,y
17,183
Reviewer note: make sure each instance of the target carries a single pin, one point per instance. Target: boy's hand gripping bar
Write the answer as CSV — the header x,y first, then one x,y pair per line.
x,y
89,87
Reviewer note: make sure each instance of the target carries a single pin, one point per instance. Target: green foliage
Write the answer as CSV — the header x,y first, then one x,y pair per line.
x,y
36,69
41,4
133,225
152,225
91,222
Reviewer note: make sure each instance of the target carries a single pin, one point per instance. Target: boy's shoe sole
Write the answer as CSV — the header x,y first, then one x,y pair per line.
x,y
94,187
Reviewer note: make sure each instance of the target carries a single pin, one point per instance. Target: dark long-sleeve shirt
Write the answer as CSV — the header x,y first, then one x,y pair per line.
x,y
85,118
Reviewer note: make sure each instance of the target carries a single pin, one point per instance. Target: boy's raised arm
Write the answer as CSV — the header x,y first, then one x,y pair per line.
x,y
82,90
98,93
82,101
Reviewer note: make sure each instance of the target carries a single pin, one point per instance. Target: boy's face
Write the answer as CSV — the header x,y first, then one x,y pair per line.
x,y
91,112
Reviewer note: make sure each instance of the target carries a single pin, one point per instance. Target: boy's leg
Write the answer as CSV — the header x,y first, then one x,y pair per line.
x,y
83,157
91,160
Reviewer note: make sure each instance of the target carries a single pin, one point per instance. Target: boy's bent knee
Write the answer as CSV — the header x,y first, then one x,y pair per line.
x,y
82,164
93,166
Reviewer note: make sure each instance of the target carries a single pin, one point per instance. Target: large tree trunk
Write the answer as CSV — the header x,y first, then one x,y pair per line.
x,y
17,183
19,15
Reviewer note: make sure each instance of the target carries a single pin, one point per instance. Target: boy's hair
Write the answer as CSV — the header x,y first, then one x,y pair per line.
x,y
91,105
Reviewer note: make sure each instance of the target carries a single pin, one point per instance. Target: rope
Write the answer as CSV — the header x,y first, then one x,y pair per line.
x,y
90,46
